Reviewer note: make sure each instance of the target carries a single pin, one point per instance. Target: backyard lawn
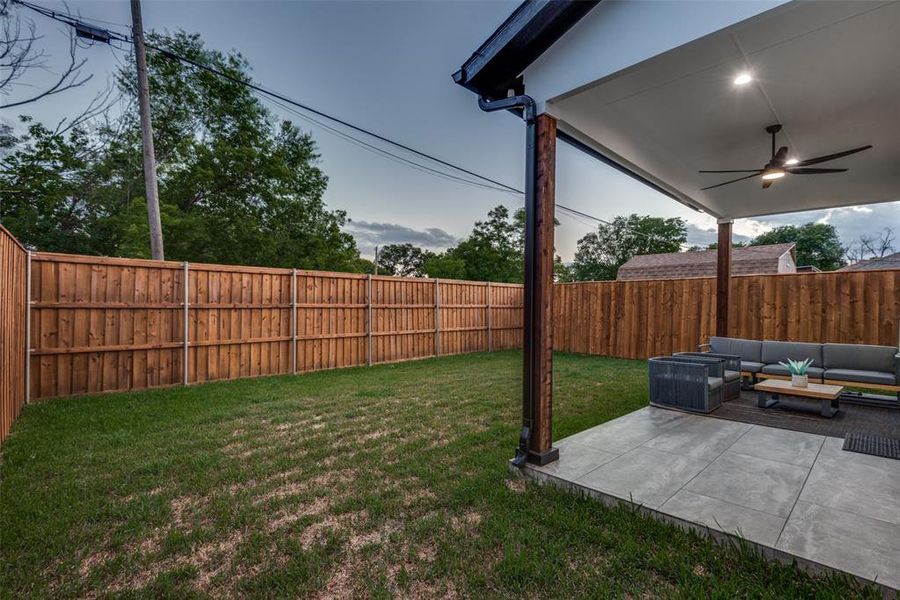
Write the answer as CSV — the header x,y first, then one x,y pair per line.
x,y
388,481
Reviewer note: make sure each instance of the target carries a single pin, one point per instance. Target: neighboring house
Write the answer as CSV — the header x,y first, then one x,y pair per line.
x,y
751,260
891,261
808,269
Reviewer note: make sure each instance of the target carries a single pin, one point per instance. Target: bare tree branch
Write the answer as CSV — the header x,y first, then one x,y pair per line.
x,y
19,55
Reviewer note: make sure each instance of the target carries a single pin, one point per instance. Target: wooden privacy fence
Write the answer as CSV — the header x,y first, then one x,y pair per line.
x,y
108,324
13,275
639,319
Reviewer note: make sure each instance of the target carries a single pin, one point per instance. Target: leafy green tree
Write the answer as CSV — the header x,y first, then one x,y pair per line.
x,y
236,184
402,260
600,253
818,244
492,252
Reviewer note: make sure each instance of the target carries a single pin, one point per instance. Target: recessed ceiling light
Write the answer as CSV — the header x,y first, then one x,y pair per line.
x,y
791,161
743,79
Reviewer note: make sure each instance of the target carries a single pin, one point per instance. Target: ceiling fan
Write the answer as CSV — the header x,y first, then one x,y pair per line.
x,y
780,165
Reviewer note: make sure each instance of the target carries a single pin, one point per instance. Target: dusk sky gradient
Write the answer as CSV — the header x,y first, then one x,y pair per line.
x,y
387,66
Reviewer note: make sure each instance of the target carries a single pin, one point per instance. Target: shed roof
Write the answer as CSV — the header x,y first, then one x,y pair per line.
x,y
749,260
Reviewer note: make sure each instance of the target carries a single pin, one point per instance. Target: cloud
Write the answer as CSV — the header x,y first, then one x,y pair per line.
x,y
369,234
701,235
850,222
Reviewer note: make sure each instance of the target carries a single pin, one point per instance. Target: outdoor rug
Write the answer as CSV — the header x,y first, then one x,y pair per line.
x,y
876,445
804,416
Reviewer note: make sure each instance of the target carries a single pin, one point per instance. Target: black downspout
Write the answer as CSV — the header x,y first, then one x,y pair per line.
x,y
527,105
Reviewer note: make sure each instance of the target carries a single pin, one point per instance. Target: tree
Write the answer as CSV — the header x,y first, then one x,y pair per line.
x,y
402,260
599,254
871,246
236,184
492,252
817,244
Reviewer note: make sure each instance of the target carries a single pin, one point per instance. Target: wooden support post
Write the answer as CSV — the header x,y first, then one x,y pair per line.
x,y
539,250
184,358
294,321
28,328
369,320
437,317
723,277
487,319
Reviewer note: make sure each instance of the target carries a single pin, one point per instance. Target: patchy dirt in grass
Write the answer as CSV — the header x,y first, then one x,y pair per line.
x,y
516,485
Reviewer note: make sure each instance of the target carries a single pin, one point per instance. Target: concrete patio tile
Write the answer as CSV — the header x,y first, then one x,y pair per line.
x,y
860,545
751,482
859,483
701,438
575,460
782,445
628,431
644,475
753,525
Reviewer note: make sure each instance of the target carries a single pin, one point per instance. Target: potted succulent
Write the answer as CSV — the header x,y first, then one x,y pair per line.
x,y
797,369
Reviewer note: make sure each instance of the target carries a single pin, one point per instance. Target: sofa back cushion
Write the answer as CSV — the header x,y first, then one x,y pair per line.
x,y
859,357
748,350
776,352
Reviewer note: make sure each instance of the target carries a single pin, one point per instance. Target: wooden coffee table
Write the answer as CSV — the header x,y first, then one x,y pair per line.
x,y
769,390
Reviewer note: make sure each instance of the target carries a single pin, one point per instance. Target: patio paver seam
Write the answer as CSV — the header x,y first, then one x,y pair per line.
x,y
742,507
799,493
707,466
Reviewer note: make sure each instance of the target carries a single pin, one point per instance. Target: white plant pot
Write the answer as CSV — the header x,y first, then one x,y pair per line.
x,y
801,381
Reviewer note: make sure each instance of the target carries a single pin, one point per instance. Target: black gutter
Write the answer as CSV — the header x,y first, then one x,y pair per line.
x,y
527,106
534,26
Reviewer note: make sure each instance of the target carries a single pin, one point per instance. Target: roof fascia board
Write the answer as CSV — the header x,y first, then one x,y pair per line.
x,y
528,32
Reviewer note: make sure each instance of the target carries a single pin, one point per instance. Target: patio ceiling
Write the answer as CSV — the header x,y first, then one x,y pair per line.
x,y
828,71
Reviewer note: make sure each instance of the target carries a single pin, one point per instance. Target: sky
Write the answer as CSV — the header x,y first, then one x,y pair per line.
x,y
387,66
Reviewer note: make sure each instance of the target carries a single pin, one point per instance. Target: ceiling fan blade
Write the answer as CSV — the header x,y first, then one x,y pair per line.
x,y
735,171
827,157
781,155
805,171
732,181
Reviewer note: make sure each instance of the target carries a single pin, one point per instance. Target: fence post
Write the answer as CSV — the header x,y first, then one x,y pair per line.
x,y
437,316
293,321
28,328
369,320
184,359
488,317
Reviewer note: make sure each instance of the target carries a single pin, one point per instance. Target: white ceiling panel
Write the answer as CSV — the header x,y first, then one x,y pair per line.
x,y
829,72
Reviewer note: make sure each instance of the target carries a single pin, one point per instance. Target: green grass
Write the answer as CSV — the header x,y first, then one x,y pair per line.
x,y
389,481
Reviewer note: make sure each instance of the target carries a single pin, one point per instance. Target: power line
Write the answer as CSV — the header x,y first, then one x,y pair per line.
x,y
281,99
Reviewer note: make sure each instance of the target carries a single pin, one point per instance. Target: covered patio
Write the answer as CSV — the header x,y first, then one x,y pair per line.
x,y
788,106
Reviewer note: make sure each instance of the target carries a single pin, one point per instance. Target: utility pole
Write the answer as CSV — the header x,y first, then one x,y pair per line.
x,y
143,88
376,260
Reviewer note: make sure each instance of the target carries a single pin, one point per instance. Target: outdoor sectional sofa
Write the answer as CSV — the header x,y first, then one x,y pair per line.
x,y
851,365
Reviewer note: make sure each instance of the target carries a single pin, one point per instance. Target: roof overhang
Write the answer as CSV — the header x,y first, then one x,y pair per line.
x,y
531,29
829,72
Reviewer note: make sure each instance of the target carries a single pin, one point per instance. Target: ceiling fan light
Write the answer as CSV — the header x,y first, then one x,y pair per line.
x,y
743,79
792,161
772,174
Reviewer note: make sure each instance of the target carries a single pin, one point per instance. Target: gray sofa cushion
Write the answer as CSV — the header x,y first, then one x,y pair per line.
x,y
749,350
813,372
859,357
751,367
861,376
714,383
776,352
732,375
